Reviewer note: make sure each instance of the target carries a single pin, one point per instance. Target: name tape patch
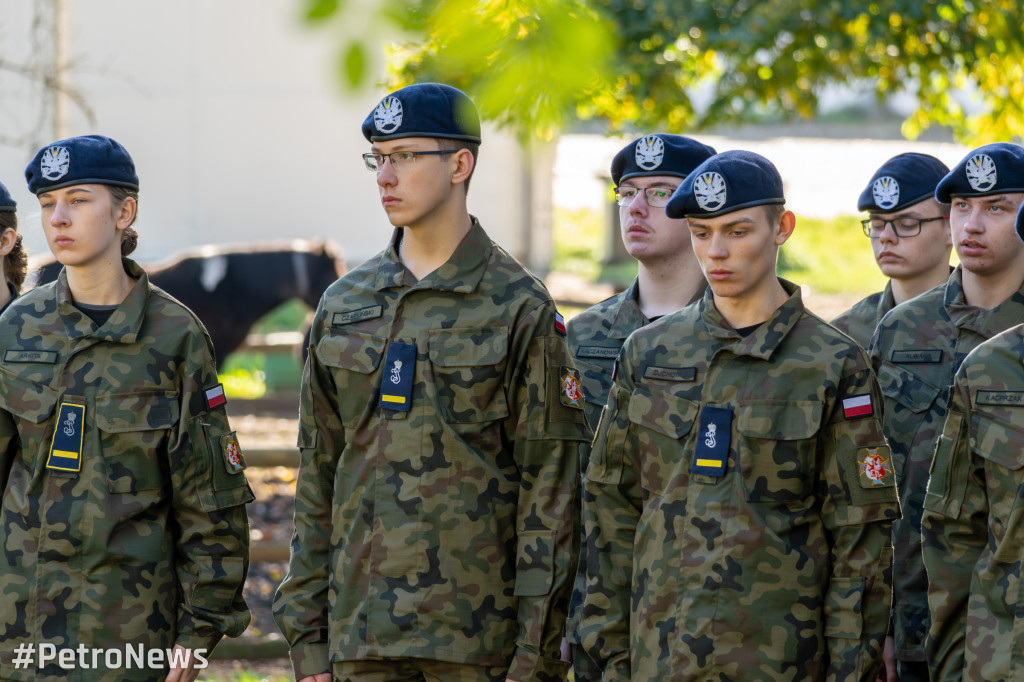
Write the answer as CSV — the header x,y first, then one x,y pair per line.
x,y
46,357
914,356
358,315
66,449
399,371
712,452
599,352
1009,398
671,373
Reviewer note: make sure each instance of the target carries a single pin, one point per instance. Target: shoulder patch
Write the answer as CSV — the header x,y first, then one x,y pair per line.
x,y
875,467
233,460
569,387
215,396
559,323
858,406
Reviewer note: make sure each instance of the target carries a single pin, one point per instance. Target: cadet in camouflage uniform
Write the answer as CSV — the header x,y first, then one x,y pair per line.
x,y
436,534
739,496
909,232
13,260
920,344
646,172
123,518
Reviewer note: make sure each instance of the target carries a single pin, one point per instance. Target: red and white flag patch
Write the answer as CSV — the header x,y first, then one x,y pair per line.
x,y
858,406
215,396
559,323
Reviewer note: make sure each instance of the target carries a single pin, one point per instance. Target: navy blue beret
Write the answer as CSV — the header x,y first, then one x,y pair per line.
x,y
424,110
902,181
727,182
7,202
991,169
79,161
659,155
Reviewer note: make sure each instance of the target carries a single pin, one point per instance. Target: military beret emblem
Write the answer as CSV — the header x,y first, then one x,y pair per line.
x,y
650,151
886,192
387,117
981,172
54,163
709,190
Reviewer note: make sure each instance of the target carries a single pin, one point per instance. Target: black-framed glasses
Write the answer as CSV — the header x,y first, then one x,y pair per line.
x,y
374,162
903,227
656,197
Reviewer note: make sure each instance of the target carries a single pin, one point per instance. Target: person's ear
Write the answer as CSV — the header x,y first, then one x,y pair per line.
x,y
8,239
464,163
784,230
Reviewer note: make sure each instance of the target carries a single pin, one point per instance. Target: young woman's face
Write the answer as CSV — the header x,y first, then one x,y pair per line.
x,y
82,225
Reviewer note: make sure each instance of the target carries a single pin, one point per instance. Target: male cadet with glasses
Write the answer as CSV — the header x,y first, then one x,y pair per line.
x,y
909,232
739,496
972,529
436,518
919,345
646,172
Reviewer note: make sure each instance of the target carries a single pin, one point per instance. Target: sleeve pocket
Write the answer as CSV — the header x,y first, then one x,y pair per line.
x,y
843,617
535,557
945,493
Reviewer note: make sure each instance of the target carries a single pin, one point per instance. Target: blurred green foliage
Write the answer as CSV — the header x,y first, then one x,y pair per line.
x,y
683,65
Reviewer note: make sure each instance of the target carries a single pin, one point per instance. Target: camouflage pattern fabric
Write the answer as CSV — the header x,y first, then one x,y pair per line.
x,y
859,322
450,531
972,529
777,569
916,351
148,544
595,338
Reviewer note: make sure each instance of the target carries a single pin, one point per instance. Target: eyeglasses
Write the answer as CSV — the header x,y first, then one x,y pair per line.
x,y
374,162
903,227
656,197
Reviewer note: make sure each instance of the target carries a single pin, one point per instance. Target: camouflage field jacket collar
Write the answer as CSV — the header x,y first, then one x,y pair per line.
x,y
462,271
628,315
987,323
766,338
123,326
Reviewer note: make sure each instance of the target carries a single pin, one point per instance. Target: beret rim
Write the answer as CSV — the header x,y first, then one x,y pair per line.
x,y
872,207
1001,190
8,209
647,174
86,181
447,136
737,207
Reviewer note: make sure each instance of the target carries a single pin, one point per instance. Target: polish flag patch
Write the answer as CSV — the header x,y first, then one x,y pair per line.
x,y
215,396
858,406
559,323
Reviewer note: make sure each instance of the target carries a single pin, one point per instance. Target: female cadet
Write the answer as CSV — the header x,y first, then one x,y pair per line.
x,y
13,263
123,527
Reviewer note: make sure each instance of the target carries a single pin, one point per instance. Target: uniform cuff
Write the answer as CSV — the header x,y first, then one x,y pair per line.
x,y
529,666
199,642
310,659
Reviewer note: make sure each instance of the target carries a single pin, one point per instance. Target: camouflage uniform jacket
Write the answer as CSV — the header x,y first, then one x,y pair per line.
x,y
778,567
972,529
148,543
595,337
449,531
859,322
916,351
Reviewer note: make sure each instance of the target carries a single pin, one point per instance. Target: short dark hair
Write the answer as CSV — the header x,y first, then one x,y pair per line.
x,y
129,238
773,212
448,144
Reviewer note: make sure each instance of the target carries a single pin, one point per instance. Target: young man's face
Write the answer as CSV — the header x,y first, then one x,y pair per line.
x,y
647,233
908,257
737,251
419,187
983,232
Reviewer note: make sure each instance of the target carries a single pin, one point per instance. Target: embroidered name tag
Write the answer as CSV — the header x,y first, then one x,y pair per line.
x,y
66,450
46,357
396,386
875,467
712,451
1010,398
908,357
671,373
601,352
350,316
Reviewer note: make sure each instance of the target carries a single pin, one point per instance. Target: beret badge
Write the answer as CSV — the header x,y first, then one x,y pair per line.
x,y
650,151
886,192
387,117
709,191
55,163
981,172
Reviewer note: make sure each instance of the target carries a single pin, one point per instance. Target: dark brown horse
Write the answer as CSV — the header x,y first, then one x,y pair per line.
x,y
230,287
